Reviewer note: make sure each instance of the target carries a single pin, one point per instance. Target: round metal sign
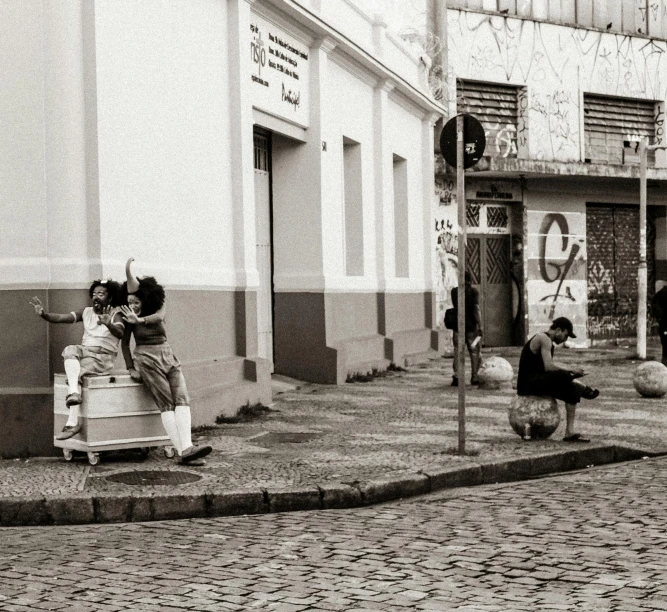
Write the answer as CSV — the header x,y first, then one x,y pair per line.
x,y
474,141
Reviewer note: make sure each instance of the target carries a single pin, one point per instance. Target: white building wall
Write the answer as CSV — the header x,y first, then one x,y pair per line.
x,y
164,139
352,119
404,129
23,215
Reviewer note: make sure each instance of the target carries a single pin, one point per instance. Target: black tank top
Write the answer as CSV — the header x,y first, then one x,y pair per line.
x,y
530,366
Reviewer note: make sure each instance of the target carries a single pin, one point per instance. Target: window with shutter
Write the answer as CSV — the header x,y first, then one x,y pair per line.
x,y
497,108
613,128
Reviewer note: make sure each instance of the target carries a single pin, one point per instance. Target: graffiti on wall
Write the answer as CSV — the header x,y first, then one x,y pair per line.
x,y
556,259
554,64
445,191
446,252
555,268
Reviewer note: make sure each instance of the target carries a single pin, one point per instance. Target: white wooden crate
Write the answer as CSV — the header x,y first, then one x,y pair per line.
x,y
116,413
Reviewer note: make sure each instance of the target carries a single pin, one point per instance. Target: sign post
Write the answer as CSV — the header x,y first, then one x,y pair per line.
x,y
462,143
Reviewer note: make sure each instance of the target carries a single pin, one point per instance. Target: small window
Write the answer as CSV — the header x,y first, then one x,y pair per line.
x,y
401,217
353,212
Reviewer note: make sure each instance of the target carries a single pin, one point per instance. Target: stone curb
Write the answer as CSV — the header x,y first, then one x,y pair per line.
x,y
82,508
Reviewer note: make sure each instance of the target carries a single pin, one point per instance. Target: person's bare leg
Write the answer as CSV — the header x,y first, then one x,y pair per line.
x,y
570,410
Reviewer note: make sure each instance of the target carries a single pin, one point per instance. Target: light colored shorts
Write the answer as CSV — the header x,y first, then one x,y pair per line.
x,y
161,372
94,362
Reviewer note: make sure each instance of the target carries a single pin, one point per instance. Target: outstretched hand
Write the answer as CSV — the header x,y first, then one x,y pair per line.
x,y
129,315
37,305
105,317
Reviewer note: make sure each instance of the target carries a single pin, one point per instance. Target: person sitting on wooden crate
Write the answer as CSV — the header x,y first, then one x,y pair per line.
x,y
155,363
103,327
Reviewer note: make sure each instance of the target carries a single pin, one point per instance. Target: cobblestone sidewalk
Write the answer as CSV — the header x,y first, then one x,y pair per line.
x,y
392,427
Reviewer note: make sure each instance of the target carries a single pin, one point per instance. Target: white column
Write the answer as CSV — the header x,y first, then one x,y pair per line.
x,y
379,32
301,191
71,146
384,193
241,145
428,181
322,142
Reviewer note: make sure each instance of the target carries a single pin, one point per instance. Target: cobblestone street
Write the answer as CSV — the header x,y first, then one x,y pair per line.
x,y
589,540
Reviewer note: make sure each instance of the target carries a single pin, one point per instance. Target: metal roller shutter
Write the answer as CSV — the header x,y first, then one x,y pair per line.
x,y
614,126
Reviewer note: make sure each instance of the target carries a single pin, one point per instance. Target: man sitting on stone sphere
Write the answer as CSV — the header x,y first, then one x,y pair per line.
x,y
539,375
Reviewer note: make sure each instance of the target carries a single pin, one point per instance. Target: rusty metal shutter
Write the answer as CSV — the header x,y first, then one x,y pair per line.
x,y
614,126
497,108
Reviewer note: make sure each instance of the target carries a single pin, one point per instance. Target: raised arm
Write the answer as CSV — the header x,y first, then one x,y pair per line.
x,y
52,317
127,354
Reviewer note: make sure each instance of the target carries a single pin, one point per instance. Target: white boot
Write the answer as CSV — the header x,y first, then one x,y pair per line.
x,y
169,423
184,424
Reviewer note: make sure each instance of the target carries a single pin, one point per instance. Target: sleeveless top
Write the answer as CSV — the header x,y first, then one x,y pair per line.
x,y
98,336
531,365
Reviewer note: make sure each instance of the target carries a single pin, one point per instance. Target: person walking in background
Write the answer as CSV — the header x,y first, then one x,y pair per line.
x,y
473,330
155,363
539,375
659,308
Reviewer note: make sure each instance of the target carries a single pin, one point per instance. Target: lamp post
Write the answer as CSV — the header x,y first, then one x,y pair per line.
x,y
642,275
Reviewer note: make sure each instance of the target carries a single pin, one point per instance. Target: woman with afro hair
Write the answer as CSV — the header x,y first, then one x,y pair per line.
x,y
155,363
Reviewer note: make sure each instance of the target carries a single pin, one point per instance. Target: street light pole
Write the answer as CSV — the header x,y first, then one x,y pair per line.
x,y
461,292
642,279
642,275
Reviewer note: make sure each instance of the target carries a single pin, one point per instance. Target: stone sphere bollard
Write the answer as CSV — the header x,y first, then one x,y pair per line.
x,y
650,379
534,417
495,373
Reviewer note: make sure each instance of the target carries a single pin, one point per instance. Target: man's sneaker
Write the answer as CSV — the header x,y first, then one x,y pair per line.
x,y
474,380
455,382
195,452
590,393
73,399
68,432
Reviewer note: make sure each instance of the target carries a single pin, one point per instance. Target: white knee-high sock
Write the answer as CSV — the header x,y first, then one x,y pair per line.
x,y
72,370
169,422
184,425
74,412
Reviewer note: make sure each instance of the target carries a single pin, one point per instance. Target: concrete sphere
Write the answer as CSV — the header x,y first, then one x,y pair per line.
x,y
534,417
495,373
650,379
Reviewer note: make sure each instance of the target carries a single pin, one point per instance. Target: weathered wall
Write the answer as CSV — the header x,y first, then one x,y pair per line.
x,y
555,259
557,64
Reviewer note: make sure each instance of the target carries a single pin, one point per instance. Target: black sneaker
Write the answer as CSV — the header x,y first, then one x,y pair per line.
x,y
590,393
195,452
455,382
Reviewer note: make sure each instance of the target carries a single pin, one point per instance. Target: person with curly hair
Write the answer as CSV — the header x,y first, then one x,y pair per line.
x,y
155,363
103,328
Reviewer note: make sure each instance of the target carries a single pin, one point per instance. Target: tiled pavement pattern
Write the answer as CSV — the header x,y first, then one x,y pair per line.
x,y
587,541
402,422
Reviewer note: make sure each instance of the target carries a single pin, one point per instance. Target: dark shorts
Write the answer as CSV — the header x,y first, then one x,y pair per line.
x,y
556,384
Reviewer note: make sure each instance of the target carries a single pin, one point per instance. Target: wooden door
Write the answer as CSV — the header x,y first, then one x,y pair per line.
x,y
488,260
